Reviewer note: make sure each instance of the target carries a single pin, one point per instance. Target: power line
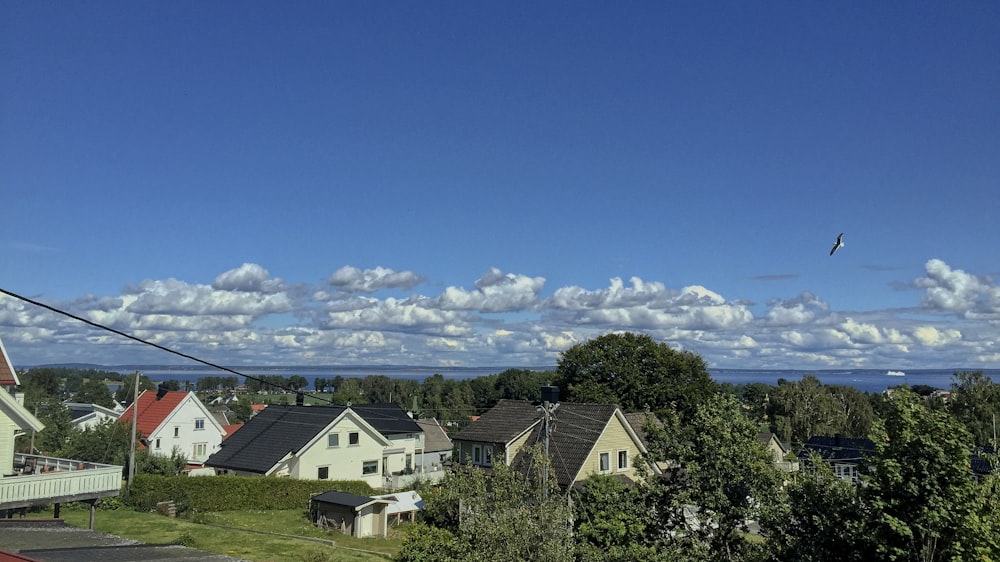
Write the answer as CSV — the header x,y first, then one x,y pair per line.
x,y
149,343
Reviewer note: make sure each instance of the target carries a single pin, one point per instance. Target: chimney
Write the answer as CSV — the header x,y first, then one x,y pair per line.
x,y
161,391
299,399
550,394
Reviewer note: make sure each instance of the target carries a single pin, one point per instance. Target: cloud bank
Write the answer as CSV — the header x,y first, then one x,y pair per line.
x,y
380,316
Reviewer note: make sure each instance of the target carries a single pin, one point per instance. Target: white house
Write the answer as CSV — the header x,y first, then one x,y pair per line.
x,y
369,442
89,415
169,420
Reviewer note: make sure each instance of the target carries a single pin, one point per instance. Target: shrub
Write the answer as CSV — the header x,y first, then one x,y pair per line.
x,y
225,493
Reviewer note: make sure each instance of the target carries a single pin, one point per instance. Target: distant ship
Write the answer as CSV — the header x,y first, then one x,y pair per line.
x,y
895,373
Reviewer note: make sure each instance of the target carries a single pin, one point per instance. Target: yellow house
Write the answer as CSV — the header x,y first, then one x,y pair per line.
x,y
584,439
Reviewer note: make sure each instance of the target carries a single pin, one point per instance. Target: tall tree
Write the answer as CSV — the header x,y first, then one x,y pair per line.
x,y
497,515
823,520
125,392
975,402
920,492
805,408
725,478
637,373
95,392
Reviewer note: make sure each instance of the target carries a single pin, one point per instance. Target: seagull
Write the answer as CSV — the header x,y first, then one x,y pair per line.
x,y
838,244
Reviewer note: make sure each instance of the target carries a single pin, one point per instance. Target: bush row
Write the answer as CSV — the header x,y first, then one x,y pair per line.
x,y
226,493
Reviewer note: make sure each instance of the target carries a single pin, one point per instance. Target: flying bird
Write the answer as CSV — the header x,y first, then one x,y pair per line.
x,y
838,243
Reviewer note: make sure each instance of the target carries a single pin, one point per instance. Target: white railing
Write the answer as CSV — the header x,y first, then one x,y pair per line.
x,y
44,480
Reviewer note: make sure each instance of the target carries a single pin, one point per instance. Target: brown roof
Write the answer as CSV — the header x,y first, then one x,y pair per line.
x,y
575,431
435,439
7,374
638,422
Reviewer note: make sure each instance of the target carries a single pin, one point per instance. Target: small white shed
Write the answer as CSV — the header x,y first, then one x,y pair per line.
x,y
358,516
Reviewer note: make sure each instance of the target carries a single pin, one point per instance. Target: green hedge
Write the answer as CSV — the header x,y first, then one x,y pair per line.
x,y
227,493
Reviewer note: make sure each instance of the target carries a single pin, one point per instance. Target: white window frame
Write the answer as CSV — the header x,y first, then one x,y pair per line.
x,y
333,440
626,464
199,424
203,447
604,462
157,443
177,431
319,472
477,454
369,467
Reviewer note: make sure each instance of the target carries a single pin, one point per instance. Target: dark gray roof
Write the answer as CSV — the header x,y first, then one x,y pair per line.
x,y
838,448
575,431
388,419
279,430
501,423
638,420
346,499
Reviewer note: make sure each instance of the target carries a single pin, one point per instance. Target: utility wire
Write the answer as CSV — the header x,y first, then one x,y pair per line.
x,y
149,343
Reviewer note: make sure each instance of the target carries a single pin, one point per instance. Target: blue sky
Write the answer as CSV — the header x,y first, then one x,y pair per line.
x,y
474,184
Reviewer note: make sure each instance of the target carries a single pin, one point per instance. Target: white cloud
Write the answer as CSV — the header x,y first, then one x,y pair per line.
x,y
495,292
248,278
353,280
804,308
954,290
646,305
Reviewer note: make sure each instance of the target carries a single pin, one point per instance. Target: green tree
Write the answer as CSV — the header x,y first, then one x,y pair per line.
x,y
58,427
802,409
501,514
920,493
94,391
855,408
126,390
635,372
297,382
975,402
612,522
823,520
724,478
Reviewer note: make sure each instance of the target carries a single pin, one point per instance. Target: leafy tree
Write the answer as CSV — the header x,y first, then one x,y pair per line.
x,y
58,426
297,382
805,408
612,521
635,372
855,408
107,442
320,384
172,384
975,402
725,478
93,391
126,390
920,493
823,520
502,514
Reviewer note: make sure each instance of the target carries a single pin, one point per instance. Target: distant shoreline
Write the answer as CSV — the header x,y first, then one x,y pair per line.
x,y
866,380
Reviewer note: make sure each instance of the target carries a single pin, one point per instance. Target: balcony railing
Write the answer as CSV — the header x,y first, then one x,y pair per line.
x,y
43,480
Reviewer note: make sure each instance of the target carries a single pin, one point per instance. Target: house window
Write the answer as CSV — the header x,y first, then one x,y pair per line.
x,y
409,461
352,438
157,442
177,432
323,473
477,454
489,455
605,462
622,460
333,440
369,467
199,424
200,449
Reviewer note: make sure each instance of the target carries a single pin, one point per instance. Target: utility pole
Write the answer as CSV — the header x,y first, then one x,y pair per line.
x,y
550,402
135,420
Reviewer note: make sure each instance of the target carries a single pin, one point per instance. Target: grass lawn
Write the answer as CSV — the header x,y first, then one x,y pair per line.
x,y
203,533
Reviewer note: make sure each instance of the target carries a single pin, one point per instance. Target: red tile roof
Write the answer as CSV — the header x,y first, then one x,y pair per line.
x,y
152,412
231,429
7,374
